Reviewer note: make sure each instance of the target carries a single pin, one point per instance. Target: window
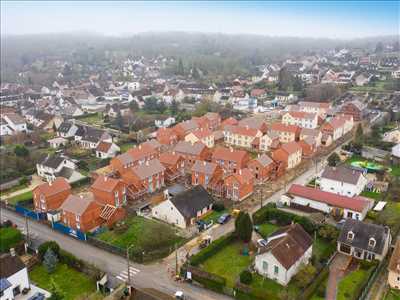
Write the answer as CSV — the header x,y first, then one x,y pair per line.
x,y
77,218
276,270
372,242
265,266
350,235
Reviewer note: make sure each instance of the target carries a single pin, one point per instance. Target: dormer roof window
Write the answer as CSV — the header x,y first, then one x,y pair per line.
x,y
350,235
372,242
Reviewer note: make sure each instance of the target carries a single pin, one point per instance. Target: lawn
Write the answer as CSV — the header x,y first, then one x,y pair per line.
x,y
372,195
228,263
9,238
214,215
351,283
21,197
322,249
392,295
14,189
390,215
266,229
126,146
395,171
93,119
271,288
147,235
70,282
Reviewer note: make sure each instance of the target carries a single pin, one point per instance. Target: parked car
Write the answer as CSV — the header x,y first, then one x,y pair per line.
x,y
179,295
203,225
37,296
224,218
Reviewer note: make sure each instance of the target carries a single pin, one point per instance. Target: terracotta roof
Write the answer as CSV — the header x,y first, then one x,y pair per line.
x,y
264,160
211,116
291,147
342,173
252,122
243,130
282,127
394,264
302,115
310,132
201,133
257,92
125,158
222,153
354,203
230,121
204,167
189,148
104,183
243,176
290,247
103,147
59,185
169,158
148,169
325,105
76,204
141,151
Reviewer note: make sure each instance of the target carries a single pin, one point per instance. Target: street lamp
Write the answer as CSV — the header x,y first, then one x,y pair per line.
x,y
129,271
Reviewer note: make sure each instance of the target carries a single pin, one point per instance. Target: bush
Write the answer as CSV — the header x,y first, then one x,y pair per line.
x,y
208,280
70,260
366,265
211,250
246,277
80,182
23,181
9,238
49,245
315,284
218,206
328,232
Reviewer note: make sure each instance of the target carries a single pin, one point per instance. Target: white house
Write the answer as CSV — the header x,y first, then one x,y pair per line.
x,y
89,137
286,251
107,150
57,142
310,198
301,119
343,180
54,166
13,276
67,129
165,123
185,208
12,123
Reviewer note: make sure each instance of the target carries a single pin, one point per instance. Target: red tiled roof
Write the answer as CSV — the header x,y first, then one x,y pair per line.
x,y
243,176
282,127
243,130
222,153
202,133
301,115
355,203
168,158
230,121
104,183
291,147
59,185
141,151
103,147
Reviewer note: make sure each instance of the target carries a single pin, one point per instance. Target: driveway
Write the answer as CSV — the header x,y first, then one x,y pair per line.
x,y
337,270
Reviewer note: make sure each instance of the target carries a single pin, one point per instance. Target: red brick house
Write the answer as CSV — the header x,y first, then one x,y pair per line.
x,y
81,213
240,185
262,168
210,121
286,133
308,146
229,122
174,165
289,154
205,172
50,195
355,109
254,123
230,160
166,136
109,191
182,129
192,152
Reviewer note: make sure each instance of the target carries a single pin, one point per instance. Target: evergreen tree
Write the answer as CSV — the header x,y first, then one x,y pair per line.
x,y
333,159
244,227
50,261
359,135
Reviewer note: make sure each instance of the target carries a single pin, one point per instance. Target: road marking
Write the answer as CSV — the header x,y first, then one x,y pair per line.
x,y
123,276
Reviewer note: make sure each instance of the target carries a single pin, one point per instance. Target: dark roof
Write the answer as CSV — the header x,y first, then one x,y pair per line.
x,y
9,265
4,284
342,173
65,127
362,233
191,201
52,161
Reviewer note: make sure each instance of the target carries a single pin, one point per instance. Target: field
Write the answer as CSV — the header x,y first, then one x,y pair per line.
x,y
71,283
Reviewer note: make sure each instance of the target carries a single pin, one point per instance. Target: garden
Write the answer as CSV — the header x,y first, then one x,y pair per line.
x,y
10,237
92,119
151,239
392,294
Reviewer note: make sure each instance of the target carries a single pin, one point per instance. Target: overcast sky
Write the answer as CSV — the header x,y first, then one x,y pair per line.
x,y
332,19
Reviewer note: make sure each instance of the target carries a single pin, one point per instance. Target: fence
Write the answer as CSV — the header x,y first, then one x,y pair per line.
x,y
29,213
371,279
69,231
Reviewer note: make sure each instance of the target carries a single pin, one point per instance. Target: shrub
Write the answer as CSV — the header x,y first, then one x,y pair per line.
x,y
208,280
50,261
246,277
315,284
211,250
49,245
218,206
9,238
70,260
23,181
366,265
328,232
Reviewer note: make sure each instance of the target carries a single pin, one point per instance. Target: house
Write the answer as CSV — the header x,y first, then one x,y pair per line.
x,y
107,150
54,166
13,276
311,199
254,123
192,152
204,136
115,109
355,108
289,154
362,79
210,121
286,251
315,134
239,185
374,153
182,129
229,122
364,241
149,175
392,136
133,157
262,168
50,195
320,108
165,123
57,142
338,126
326,140
394,268
185,208
204,172
166,136
343,180
12,123
67,129
174,165
242,136
89,137
109,191
301,119
308,147
230,160
286,133
81,213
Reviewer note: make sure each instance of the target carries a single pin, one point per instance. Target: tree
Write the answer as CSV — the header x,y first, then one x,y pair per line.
x,y
285,79
50,261
297,84
359,137
246,277
333,159
328,232
305,274
21,151
46,245
322,92
119,121
244,227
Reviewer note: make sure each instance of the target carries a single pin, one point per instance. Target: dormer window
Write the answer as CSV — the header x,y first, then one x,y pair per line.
x,y
350,235
372,242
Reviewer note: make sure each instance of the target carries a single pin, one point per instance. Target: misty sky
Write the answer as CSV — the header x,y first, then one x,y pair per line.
x,y
332,19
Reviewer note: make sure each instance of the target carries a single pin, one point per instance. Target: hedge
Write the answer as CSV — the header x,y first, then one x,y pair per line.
x,y
310,290
9,238
210,281
245,292
270,212
211,250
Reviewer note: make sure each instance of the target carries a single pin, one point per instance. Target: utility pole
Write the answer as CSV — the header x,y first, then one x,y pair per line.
x,y
27,230
129,268
176,260
261,198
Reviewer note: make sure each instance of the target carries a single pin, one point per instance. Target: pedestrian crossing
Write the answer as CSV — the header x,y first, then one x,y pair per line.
x,y
123,276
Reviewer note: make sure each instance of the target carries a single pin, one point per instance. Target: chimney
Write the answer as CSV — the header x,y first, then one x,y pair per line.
x,y
240,172
173,152
147,162
204,163
247,126
12,251
105,178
